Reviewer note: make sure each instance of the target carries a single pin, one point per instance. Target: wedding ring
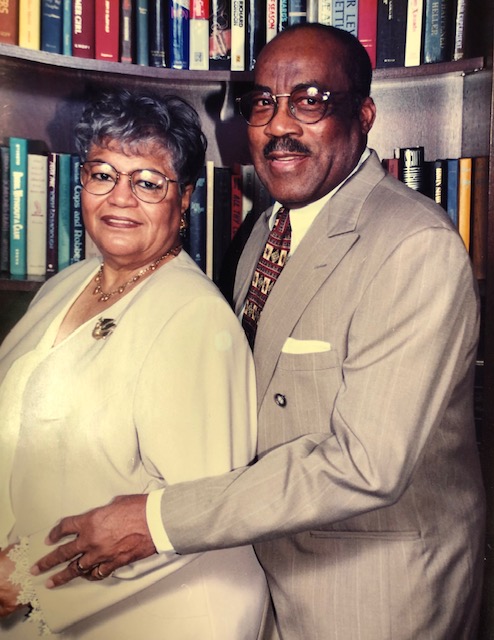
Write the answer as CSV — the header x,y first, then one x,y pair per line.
x,y
99,575
81,569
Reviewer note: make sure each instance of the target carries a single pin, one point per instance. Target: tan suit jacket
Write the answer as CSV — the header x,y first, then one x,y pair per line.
x,y
369,518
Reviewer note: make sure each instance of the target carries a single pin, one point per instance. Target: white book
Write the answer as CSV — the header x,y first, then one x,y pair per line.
x,y
238,35
271,19
413,42
199,35
325,12
37,194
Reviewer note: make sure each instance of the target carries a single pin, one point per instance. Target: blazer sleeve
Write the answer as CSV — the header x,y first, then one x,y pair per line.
x,y
411,346
194,413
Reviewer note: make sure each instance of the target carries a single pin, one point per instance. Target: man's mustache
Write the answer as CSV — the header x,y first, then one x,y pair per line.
x,y
285,145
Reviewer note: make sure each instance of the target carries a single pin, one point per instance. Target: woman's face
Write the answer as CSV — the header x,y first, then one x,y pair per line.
x,y
131,233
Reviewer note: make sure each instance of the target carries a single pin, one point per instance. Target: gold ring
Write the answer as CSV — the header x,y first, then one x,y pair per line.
x,y
99,575
81,569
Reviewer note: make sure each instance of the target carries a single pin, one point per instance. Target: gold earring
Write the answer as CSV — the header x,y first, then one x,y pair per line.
x,y
183,224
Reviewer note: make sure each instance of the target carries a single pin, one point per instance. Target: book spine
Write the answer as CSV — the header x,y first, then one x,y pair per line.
x,y
464,199
392,166
199,35
18,206
460,30
452,190
256,32
412,167
312,10
283,14
67,28
480,211
142,33
247,173
236,205
197,222
325,12
179,34
77,233
437,30
83,28
367,27
37,193
439,183
345,15
297,12
220,35
127,31
391,33
5,203
413,38
52,217
9,21
51,25
64,208
271,19
222,219
238,35
157,33
30,24
107,30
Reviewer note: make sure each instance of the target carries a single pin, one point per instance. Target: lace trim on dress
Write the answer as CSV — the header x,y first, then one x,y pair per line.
x,y
21,578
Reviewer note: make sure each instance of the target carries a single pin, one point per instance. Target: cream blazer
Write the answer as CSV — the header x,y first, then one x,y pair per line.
x,y
367,503
168,396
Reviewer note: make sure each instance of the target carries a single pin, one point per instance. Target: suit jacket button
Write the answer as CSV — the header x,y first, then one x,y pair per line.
x,y
280,399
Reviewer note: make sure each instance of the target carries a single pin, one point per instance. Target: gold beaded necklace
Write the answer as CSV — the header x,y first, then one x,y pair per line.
x,y
152,267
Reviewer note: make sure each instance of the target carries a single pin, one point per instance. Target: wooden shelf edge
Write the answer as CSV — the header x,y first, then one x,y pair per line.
x,y
8,283
465,66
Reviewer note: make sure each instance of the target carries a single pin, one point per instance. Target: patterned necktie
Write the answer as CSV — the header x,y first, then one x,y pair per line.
x,y
268,269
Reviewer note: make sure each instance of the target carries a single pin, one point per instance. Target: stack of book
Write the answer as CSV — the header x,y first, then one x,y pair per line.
x,y
459,185
228,34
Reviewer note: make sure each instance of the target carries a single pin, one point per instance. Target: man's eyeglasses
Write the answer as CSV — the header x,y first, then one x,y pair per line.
x,y
99,178
307,104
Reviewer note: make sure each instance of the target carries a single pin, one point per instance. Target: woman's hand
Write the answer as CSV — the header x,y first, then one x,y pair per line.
x,y
8,591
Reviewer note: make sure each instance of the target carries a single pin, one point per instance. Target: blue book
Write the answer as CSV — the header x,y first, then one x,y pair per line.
x,y
179,34
67,28
64,207
18,206
77,233
438,30
452,190
197,222
142,33
51,25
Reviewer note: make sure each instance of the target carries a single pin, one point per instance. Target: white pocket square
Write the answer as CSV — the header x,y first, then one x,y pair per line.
x,y
293,345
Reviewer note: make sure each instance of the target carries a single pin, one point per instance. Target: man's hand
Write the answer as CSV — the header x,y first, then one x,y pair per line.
x,y
107,538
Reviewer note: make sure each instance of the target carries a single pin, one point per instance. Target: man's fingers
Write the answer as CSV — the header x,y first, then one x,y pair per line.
x,y
70,572
61,554
66,527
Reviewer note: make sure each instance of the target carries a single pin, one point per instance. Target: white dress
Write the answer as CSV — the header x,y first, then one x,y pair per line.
x,y
152,404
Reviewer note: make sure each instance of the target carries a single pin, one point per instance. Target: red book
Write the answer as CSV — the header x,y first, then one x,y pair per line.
x,y
83,29
392,166
127,31
236,201
107,30
9,21
367,27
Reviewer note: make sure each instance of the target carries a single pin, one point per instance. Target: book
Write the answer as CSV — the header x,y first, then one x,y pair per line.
x,y
5,207
156,32
271,19
18,206
412,167
197,222
391,33
220,34
77,232
209,216
64,209
51,25
312,10
464,199
199,34
459,36
437,30
392,166
222,220
262,198
479,215
413,37
367,27
345,15
247,174
37,193
236,203
452,190
83,15
127,31
107,30
9,22
256,31
283,14
438,182
179,34
325,12
30,24
297,11
142,33
52,216
67,27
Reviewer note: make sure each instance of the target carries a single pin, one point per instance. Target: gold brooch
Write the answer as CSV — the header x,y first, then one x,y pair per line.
x,y
103,328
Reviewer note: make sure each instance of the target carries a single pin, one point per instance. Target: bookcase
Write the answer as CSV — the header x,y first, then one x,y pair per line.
x,y
446,107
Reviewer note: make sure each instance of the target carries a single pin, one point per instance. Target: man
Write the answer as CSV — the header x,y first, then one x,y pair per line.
x,y
366,505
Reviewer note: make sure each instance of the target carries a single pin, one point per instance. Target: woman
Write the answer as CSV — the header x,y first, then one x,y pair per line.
x,y
125,375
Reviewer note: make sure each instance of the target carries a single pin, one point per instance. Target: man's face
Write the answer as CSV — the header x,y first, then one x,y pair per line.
x,y
299,163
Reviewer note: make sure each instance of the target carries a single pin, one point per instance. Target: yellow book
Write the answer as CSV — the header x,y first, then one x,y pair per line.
x,y
465,199
30,24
